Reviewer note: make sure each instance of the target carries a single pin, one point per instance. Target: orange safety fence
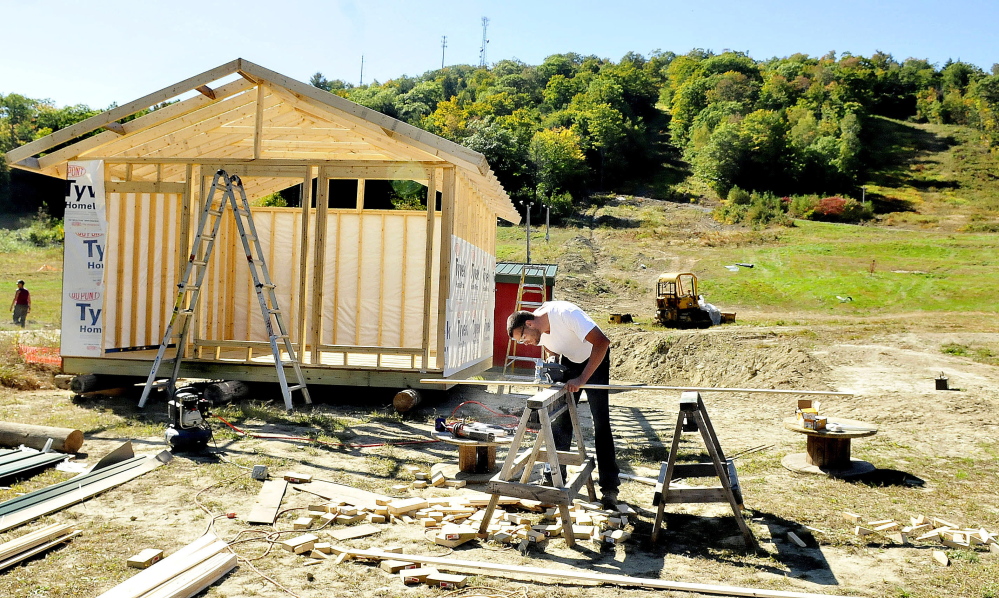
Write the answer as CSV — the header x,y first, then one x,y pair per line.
x,y
40,355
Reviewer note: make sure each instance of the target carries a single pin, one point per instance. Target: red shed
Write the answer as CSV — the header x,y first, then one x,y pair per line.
x,y
507,284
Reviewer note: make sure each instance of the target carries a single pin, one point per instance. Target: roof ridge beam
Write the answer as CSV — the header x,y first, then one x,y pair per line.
x,y
374,120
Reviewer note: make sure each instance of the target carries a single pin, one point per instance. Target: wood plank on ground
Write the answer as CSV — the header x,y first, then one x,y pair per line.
x,y
268,502
356,531
167,569
536,573
37,550
348,494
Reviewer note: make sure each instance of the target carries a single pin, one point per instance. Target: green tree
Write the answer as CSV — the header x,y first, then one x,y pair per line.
x,y
720,160
558,161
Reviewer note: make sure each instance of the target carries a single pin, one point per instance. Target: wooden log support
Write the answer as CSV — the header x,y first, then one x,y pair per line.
x,y
65,440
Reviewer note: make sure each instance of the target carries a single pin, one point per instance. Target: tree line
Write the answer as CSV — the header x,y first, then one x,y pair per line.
x,y
552,131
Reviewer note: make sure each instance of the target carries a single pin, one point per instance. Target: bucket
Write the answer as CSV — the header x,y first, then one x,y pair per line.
x,y
942,382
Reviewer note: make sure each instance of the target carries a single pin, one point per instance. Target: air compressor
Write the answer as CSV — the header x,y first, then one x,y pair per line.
x,y
188,409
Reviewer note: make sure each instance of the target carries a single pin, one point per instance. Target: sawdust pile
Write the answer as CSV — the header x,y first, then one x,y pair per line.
x,y
717,358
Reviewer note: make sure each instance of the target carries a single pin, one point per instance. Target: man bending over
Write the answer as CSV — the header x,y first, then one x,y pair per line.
x,y
562,328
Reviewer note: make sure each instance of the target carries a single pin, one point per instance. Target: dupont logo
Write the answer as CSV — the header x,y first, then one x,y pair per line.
x,y
87,296
89,235
75,170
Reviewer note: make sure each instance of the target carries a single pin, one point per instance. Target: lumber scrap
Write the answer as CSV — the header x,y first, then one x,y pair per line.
x,y
358,531
21,509
348,494
182,560
265,511
536,573
145,558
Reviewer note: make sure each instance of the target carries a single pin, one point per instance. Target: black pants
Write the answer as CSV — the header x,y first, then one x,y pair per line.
x,y
603,439
20,314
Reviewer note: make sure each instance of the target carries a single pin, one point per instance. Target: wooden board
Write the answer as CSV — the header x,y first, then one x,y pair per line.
x,y
348,494
268,502
177,563
36,549
358,531
196,579
538,573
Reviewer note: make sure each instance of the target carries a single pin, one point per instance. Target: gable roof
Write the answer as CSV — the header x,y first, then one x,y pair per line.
x,y
262,115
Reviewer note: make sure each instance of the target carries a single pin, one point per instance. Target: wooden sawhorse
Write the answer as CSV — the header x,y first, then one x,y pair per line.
x,y
692,410
548,405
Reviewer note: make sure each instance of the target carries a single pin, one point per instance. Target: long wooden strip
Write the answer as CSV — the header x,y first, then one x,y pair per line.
x,y
81,494
37,550
268,502
196,579
357,531
333,491
623,580
184,559
46,534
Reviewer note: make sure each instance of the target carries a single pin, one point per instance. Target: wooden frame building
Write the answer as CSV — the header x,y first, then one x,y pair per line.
x,y
373,297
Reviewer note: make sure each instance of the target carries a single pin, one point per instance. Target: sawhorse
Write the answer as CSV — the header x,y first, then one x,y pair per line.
x,y
549,404
693,415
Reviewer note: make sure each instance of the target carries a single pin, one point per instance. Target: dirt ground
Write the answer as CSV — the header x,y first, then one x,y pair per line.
x,y
891,376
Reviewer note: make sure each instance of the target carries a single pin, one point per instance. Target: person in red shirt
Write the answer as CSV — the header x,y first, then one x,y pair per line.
x,y
21,305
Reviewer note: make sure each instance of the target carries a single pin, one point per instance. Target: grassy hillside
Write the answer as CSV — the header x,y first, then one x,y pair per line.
x,y
931,250
933,176
934,251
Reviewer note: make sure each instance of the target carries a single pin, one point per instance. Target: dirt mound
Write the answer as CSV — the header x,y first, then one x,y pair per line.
x,y
717,357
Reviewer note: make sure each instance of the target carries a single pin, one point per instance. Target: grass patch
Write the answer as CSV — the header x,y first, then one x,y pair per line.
x,y
979,353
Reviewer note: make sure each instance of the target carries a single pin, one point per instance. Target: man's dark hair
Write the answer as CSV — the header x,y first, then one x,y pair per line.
x,y
517,320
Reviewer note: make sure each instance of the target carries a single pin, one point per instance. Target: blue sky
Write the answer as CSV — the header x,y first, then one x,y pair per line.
x,y
105,51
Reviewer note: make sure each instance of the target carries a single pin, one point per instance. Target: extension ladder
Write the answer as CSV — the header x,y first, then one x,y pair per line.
x,y
537,291
694,417
543,408
194,275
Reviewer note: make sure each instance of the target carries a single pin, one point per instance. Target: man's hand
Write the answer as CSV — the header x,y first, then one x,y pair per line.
x,y
574,384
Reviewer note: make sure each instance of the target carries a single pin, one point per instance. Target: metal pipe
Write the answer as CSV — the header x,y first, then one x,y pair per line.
x,y
626,387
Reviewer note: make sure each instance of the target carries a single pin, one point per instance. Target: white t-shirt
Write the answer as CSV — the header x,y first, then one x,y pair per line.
x,y
569,326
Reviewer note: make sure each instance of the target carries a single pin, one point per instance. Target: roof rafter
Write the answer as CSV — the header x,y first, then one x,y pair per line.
x,y
109,116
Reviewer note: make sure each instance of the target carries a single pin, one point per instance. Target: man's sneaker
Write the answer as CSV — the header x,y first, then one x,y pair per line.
x,y
609,500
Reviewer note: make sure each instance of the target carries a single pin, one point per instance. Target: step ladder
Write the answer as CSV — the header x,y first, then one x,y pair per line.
x,y
530,296
693,417
544,407
190,291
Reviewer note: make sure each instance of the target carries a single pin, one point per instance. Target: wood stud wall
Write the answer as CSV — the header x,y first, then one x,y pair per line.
x,y
140,240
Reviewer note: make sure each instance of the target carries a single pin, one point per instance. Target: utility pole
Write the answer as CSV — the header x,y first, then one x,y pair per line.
x,y
529,205
443,45
482,49
548,213
361,84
